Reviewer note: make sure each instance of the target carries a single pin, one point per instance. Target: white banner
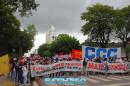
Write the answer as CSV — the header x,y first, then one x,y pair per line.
x,y
113,67
40,70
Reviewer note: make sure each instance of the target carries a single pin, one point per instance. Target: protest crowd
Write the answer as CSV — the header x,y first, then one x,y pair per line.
x,y
26,69
21,71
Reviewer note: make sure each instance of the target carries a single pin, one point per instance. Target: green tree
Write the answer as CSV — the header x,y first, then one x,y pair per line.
x,y
31,30
122,27
10,34
47,53
21,41
128,48
64,43
27,38
9,26
45,50
99,23
24,7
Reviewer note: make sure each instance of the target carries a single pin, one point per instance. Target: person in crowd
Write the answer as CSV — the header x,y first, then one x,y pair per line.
x,y
119,60
29,70
84,66
95,59
110,59
20,71
99,59
106,67
16,68
25,72
114,59
57,59
125,60
9,75
102,60
13,70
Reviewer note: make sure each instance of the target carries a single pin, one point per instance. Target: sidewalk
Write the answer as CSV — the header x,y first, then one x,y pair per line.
x,y
39,82
5,82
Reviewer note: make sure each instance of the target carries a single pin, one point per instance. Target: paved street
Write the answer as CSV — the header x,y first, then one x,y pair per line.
x,y
98,80
5,82
111,80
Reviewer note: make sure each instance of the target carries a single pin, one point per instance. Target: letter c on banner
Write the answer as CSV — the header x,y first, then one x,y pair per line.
x,y
112,52
87,51
99,50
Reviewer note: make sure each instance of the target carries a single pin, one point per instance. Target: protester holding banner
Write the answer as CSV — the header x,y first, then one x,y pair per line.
x,y
16,65
93,62
106,67
84,66
20,74
25,72
13,70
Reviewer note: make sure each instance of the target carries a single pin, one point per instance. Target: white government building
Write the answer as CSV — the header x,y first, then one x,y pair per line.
x,y
50,35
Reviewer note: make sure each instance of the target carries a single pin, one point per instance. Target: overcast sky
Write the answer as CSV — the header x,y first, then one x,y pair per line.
x,y
64,15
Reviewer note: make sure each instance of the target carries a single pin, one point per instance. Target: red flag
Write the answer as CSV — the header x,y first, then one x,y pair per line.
x,y
76,54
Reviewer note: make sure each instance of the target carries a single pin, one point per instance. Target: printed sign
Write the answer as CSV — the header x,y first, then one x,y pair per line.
x,y
69,80
92,52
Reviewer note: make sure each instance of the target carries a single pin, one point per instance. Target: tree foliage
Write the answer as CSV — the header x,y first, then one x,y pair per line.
x,y
122,27
128,48
31,30
7,20
9,26
103,21
19,42
24,7
45,50
64,43
47,53
99,23
22,41
11,37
